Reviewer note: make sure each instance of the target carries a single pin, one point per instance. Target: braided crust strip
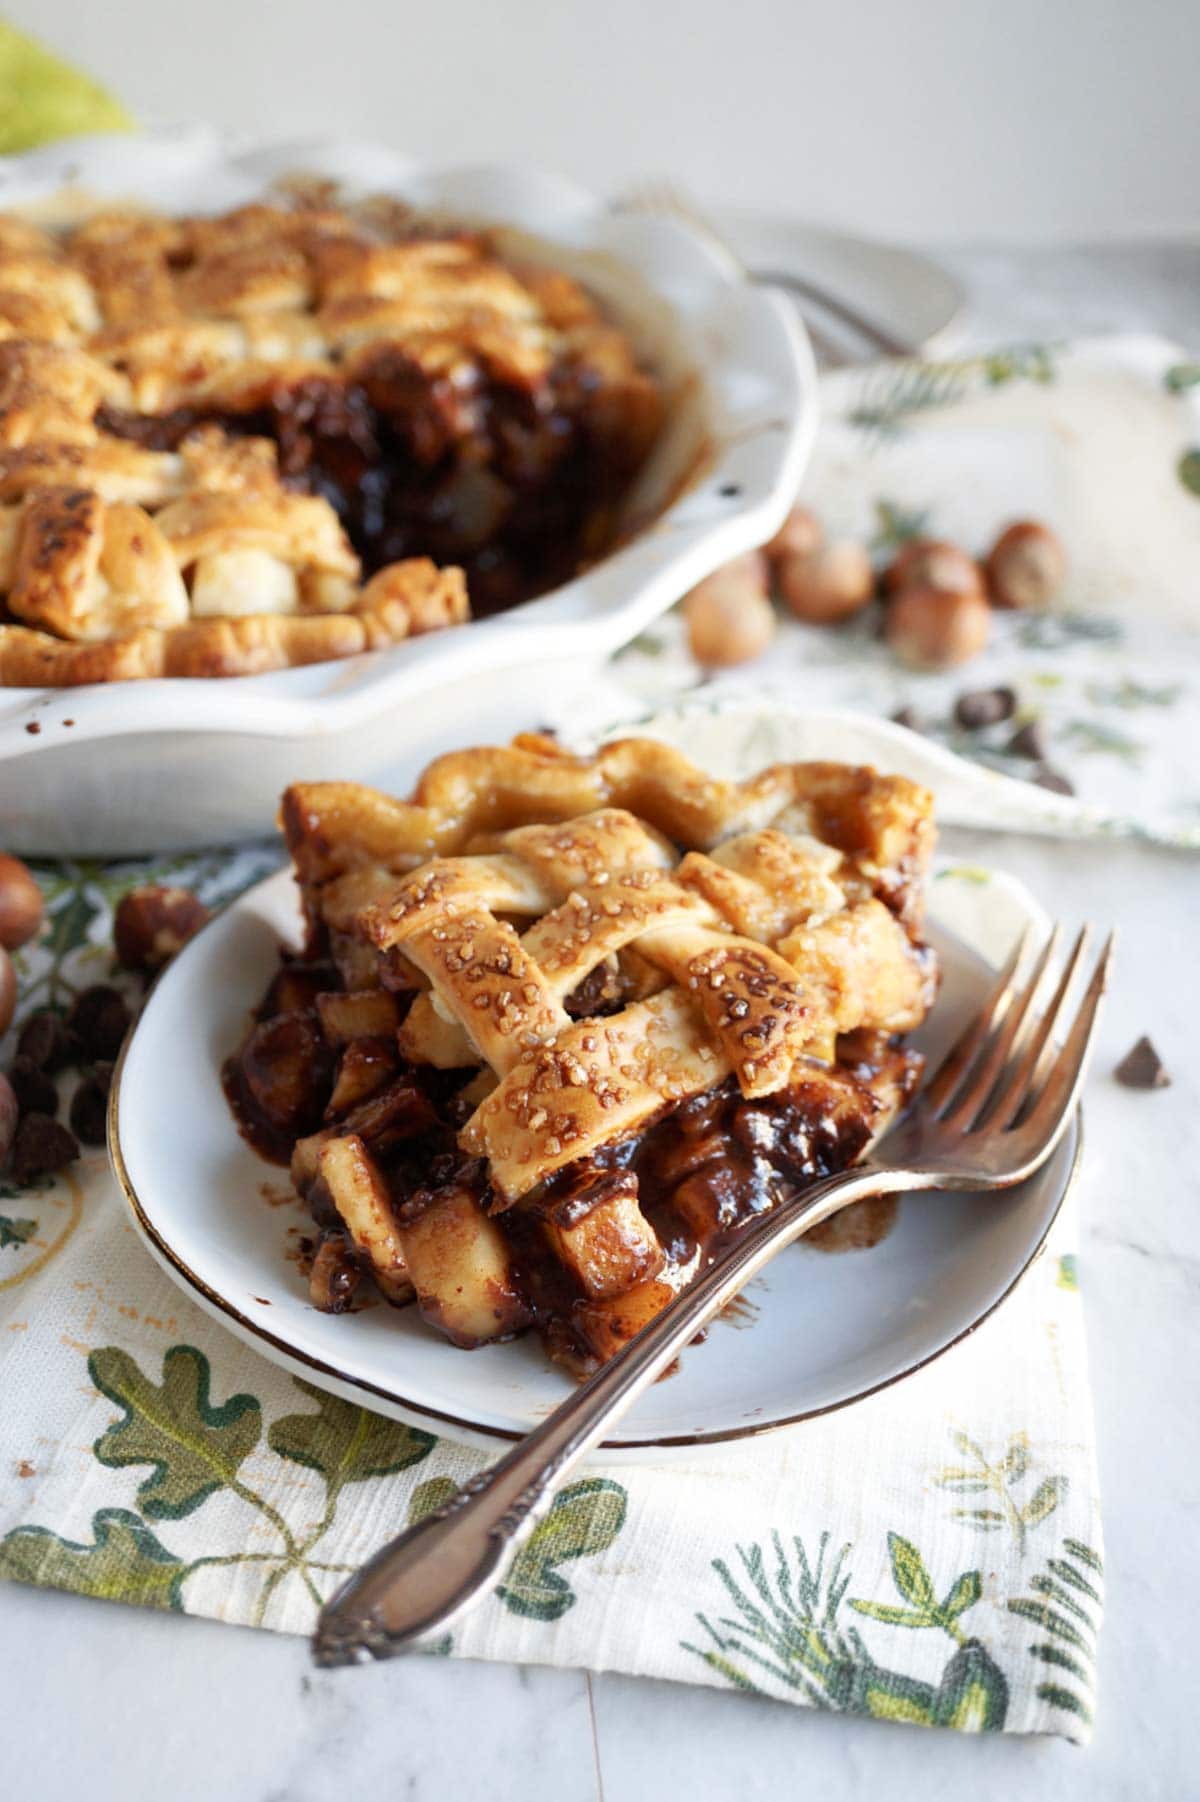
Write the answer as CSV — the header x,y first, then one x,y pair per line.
x,y
416,597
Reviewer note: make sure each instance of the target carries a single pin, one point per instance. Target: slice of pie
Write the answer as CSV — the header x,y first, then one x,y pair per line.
x,y
562,1025
291,433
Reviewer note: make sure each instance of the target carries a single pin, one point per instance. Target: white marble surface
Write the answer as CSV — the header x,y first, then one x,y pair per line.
x,y
117,1703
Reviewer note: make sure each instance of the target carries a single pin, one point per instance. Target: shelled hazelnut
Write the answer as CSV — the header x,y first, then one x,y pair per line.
x,y
935,628
21,907
151,924
825,586
728,616
800,534
1026,567
933,563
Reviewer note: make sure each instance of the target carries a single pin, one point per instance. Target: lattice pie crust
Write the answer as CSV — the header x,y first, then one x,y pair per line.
x,y
639,1004
198,416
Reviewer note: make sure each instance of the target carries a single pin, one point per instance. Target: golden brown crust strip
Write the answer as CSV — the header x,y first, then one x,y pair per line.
x,y
418,597
883,824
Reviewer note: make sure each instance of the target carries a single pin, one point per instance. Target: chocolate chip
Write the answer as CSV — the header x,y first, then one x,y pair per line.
x,y
1045,777
42,1147
1142,1068
984,707
46,1041
89,1105
8,1118
34,1090
99,1020
1028,741
907,716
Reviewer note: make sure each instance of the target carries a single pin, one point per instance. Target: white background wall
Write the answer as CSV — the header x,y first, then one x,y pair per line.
x,y
920,119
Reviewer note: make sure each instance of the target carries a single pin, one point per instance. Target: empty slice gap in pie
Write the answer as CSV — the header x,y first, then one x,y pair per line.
x,y
290,433
562,1025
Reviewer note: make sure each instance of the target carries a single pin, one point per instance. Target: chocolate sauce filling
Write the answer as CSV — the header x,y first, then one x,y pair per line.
x,y
516,485
699,1172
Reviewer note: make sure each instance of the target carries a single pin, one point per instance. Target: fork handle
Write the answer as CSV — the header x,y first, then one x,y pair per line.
x,y
883,340
419,1583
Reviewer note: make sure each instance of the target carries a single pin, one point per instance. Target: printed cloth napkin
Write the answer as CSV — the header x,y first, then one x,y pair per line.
x,y
1101,439
932,1554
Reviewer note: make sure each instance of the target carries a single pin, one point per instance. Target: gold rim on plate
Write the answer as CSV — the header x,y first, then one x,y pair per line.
x,y
246,1328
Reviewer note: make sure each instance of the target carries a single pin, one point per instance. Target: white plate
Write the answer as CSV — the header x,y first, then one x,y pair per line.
x,y
189,763
826,1329
916,299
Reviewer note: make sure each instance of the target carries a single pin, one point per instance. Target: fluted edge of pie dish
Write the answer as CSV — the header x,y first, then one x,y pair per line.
x,y
758,367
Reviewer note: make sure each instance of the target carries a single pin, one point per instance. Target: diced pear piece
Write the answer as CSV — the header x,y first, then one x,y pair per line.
x,y
460,1266
358,1192
608,1325
609,1248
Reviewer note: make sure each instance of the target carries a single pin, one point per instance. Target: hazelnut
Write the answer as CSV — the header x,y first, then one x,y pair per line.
x,y
934,628
752,564
8,990
1026,567
152,924
21,905
8,1119
729,618
800,534
825,586
932,563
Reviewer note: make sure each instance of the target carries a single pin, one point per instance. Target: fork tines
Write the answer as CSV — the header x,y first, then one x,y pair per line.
x,y
1020,1063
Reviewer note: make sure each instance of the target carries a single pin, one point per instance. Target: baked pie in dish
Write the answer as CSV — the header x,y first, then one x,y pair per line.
x,y
291,433
561,1025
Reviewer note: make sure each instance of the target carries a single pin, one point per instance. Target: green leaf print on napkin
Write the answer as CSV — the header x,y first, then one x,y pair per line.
x,y
585,1519
125,1564
197,1449
999,1480
1063,1605
916,1586
788,1628
344,1442
894,392
1188,470
1180,377
15,1232
193,1446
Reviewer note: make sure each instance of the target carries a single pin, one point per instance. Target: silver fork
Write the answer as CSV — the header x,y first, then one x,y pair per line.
x,y
990,1117
664,200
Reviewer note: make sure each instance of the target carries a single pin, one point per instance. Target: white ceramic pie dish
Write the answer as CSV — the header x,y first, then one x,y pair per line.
x,y
820,1330
157,765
